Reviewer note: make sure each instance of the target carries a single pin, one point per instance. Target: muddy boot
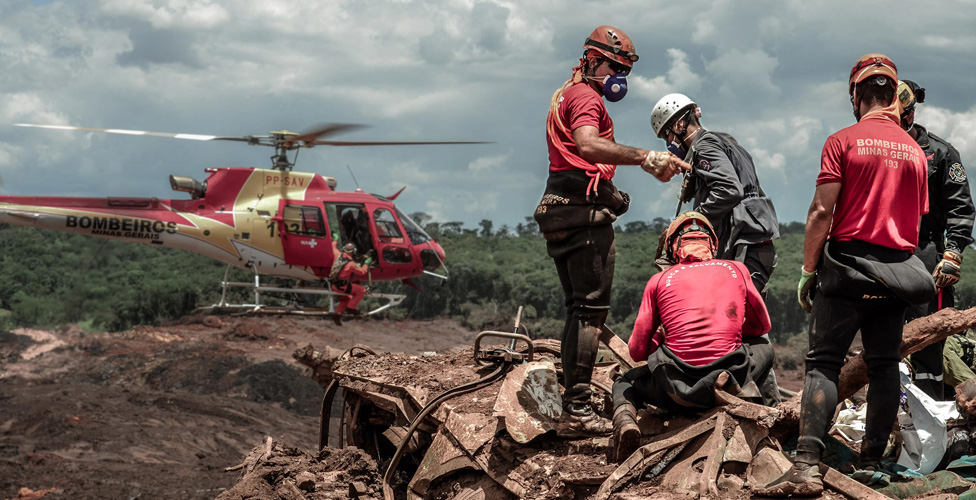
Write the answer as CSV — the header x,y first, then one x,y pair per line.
x,y
582,421
801,480
626,434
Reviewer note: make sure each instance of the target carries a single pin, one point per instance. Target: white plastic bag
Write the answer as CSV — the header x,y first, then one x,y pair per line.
x,y
923,426
850,421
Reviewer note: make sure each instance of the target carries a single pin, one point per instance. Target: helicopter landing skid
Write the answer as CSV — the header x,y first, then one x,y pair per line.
x,y
224,307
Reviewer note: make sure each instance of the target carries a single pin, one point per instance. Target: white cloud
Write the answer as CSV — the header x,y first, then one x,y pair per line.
x,y
744,71
483,204
679,78
435,209
487,163
957,128
409,173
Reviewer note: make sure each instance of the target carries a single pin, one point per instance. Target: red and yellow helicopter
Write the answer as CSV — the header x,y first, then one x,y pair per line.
x,y
274,222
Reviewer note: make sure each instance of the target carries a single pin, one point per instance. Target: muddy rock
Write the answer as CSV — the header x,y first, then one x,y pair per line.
x,y
966,397
279,471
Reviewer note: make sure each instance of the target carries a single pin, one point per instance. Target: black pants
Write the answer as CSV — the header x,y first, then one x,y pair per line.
x,y
928,362
584,260
833,323
670,384
760,259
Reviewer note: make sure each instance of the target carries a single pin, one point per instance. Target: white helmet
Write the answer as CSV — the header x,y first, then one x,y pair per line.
x,y
669,107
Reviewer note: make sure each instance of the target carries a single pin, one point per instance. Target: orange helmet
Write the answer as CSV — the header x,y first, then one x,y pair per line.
x,y
687,222
612,43
873,64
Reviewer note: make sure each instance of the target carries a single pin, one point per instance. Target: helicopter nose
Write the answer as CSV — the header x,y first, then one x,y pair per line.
x,y
432,256
439,250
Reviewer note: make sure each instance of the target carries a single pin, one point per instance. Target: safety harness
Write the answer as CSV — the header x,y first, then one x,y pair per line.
x,y
340,262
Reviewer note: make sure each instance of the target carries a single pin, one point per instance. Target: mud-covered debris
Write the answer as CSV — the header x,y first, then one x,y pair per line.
x,y
248,330
321,361
26,493
528,402
422,378
966,397
495,441
357,489
305,480
213,322
284,473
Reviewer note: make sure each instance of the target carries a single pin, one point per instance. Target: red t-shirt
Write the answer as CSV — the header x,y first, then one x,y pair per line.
x,y
580,105
884,186
705,307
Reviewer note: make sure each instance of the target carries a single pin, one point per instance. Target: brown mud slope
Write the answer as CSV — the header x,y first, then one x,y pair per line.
x,y
160,412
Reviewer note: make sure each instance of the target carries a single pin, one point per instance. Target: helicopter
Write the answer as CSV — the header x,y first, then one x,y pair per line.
x,y
275,222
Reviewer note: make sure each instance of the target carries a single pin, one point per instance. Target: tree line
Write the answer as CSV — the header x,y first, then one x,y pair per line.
x,y
49,278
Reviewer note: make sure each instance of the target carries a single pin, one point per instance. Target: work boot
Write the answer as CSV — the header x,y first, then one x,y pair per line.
x,y
582,421
353,312
802,480
336,319
626,434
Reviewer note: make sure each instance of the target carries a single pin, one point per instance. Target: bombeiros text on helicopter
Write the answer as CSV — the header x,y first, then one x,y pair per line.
x,y
275,222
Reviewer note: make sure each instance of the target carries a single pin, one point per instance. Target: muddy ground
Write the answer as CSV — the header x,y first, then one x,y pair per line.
x,y
160,412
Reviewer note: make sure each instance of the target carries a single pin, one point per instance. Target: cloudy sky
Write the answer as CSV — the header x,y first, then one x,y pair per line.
x,y
772,73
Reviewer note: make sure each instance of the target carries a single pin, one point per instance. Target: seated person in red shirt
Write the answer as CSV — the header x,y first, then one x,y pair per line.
x,y
706,307
345,276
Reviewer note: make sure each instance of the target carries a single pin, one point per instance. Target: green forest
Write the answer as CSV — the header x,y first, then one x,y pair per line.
x,y
50,279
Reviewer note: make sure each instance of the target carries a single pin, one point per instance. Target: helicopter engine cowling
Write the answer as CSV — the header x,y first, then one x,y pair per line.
x,y
185,184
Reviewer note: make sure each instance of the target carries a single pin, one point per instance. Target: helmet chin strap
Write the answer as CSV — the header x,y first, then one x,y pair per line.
x,y
856,103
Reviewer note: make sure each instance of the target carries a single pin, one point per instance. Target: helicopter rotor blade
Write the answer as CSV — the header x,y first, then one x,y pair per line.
x,y
391,143
192,137
328,129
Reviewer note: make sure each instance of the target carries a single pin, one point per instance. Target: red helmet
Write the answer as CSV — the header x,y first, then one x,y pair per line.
x,y
614,44
873,64
684,223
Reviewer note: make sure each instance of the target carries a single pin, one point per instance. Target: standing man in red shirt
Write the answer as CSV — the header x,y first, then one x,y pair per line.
x,y
861,229
710,310
580,204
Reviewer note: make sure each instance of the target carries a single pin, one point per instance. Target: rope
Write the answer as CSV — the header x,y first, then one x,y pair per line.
x,y
554,123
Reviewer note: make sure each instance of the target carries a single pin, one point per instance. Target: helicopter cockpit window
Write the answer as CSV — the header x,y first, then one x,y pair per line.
x,y
414,232
304,221
386,226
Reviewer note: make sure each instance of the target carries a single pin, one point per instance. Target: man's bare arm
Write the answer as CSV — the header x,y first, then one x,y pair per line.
x,y
596,149
819,217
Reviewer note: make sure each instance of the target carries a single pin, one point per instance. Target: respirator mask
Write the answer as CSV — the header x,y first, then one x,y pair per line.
x,y
615,87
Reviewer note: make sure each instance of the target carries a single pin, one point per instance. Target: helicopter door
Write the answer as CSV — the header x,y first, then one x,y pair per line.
x,y
304,237
350,224
394,248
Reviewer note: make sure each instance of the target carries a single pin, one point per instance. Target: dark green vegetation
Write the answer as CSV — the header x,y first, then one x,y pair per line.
x,y
49,278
